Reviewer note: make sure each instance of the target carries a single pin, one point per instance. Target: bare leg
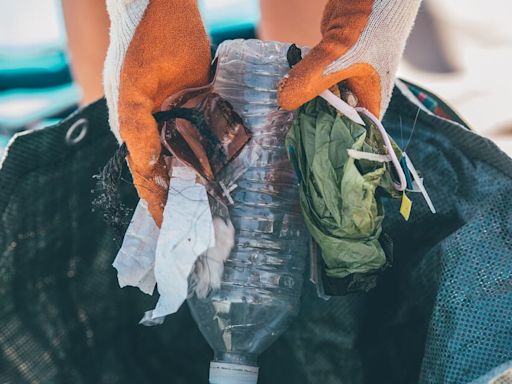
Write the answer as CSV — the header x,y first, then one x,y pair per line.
x,y
292,21
87,27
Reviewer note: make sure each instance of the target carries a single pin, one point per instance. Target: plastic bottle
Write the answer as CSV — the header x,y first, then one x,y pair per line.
x,y
263,277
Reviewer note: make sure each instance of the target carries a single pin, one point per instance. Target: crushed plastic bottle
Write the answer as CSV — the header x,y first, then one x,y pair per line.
x,y
263,277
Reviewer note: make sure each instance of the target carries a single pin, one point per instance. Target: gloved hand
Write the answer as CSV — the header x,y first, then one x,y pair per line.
x,y
157,48
362,43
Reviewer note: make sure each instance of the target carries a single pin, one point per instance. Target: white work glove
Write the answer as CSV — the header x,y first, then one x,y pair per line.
x,y
362,43
157,48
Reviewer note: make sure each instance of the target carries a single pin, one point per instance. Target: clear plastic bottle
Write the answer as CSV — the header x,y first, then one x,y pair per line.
x,y
263,277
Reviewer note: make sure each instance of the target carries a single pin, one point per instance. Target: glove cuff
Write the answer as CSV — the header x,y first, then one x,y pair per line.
x,y
382,43
125,16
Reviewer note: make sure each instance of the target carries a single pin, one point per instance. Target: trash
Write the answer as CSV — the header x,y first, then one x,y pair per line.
x,y
135,261
405,208
212,134
187,231
339,194
418,182
441,314
191,245
208,269
108,189
341,106
264,248
166,256
262,283
344,217
202,135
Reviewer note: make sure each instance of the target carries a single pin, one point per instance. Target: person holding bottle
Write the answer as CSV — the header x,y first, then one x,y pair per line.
x,y
159,47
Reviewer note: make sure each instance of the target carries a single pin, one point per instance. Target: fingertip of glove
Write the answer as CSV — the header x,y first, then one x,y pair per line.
x,y
287,104
289,95
144,159
154,191
157,213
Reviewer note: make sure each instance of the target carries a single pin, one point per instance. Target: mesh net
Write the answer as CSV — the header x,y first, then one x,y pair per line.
x,y
442,314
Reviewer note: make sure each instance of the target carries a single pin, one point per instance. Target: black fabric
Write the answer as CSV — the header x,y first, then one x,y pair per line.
x,y
441,314
63,318
108,189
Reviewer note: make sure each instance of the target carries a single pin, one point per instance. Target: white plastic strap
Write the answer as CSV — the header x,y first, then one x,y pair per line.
x,y
360,155
419,183
341,106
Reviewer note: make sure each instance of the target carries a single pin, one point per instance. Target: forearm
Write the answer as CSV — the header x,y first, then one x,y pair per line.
x,y
296,21
87,27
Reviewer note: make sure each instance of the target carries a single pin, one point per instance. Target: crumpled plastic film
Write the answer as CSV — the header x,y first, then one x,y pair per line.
x,y
166,256
135,261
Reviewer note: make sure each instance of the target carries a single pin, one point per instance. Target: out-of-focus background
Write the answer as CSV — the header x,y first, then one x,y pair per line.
x,y
460,49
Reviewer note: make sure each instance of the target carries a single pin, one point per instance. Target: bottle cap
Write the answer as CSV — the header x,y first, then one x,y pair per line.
x,y
227,373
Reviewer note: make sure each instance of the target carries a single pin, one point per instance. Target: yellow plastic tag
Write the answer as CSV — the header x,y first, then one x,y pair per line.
x,y
405,208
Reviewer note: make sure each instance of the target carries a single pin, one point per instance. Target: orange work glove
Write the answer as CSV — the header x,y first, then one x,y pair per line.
x,y
362,43
157,48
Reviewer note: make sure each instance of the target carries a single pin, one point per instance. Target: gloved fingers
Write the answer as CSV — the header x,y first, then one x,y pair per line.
x,y
152,187
364,81
139,131
308,79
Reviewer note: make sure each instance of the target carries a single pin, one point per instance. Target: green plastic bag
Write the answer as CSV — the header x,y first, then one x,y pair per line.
x,y
339,195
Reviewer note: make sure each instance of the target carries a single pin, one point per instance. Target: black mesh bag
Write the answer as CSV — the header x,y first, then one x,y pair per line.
x,y
441,314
